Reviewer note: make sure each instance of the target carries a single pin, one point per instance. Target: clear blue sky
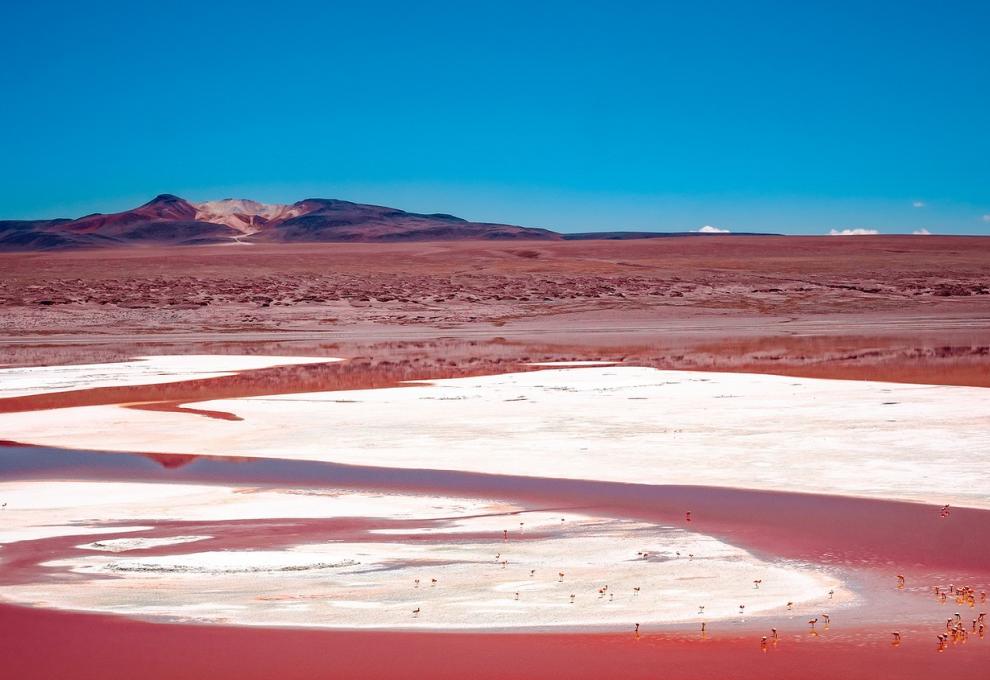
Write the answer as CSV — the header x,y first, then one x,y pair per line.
x,y
781,116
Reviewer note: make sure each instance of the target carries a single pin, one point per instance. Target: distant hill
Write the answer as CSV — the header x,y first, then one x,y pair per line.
x,y
170,220
638,235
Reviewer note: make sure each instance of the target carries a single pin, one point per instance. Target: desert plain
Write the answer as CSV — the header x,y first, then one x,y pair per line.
x,y
487,459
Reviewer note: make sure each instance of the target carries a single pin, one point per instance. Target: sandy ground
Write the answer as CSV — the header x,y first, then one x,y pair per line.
x,y
902,309
602,293
318,286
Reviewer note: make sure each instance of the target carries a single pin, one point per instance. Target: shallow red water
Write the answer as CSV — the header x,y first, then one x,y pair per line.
x,y
97,647
865,542
828,529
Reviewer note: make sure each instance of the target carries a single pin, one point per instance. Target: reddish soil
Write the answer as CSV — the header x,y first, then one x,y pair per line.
x,y
564,285
892,308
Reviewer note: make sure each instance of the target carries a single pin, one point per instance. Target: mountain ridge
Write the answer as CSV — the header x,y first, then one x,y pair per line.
x,y
168,219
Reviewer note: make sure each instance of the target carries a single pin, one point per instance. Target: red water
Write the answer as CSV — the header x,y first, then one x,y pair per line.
x,y
44,645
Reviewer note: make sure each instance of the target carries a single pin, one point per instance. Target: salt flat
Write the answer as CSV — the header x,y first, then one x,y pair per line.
x,y
151,370
609,423
369,579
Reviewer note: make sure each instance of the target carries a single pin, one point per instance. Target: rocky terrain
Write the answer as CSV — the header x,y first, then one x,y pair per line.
x,y
912,308
295,286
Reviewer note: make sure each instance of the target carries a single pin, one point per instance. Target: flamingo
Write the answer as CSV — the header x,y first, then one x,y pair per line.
x,y
416,611
812,622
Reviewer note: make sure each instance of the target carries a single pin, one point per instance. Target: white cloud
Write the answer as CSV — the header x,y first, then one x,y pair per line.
x,y
921,232
918,204
708,229
986,218
853,232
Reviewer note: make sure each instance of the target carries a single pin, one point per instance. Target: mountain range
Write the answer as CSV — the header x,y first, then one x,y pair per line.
x,y
170,220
